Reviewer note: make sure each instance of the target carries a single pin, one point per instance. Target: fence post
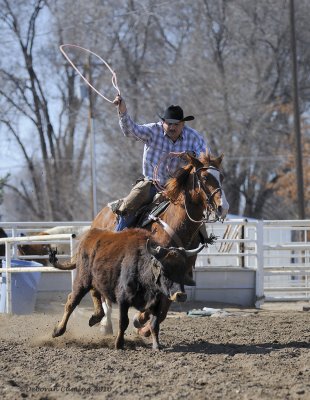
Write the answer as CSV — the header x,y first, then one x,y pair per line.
x,y
259,284
8,278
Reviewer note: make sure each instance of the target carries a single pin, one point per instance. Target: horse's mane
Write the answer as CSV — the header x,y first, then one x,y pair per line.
x,y
177,184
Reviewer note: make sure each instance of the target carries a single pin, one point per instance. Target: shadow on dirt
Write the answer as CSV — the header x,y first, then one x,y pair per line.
x,y
232,349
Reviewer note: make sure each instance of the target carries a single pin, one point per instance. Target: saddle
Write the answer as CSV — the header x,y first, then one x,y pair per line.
x,y
146,214
150,212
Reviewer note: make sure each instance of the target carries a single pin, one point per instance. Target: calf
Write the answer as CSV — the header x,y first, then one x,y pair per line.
x,y
124,268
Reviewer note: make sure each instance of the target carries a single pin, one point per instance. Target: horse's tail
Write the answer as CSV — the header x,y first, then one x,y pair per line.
x,y
67,266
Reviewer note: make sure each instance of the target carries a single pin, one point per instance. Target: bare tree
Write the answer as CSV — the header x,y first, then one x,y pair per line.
x,y
51,190
243,75
226,62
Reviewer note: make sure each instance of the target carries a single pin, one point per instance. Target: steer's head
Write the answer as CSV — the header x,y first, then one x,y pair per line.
x,y
172,262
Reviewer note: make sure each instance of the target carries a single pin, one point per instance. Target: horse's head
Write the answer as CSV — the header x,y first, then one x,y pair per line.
x,y
202,180
211,178
208,178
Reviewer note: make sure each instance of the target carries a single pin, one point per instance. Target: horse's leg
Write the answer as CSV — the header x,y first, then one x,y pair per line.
x,y
98,310
73,300
106,326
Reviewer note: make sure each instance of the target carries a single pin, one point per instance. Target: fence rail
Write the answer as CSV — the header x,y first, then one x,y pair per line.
x,y
278,252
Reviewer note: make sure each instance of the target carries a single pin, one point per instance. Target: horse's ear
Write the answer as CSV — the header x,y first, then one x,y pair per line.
x,y
188,156
216,161
205,157
208,155
191,158
220,158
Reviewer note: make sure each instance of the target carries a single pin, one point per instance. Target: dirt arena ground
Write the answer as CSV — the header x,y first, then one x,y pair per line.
x,y
243,354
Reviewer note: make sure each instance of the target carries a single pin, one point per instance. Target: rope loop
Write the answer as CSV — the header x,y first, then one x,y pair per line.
x,y
114,78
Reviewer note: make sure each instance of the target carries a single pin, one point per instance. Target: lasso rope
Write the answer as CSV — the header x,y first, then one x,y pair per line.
x,y
156,168
114,79
115,85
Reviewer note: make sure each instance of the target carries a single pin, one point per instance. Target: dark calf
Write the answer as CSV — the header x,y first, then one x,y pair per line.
x,y
124,268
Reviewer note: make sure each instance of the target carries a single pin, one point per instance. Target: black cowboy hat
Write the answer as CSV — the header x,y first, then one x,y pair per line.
x,y
174,114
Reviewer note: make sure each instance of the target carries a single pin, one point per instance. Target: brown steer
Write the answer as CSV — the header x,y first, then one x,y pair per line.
x,y
124,268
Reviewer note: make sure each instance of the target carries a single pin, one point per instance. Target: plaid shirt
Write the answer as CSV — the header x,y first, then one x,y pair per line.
x,y
157,144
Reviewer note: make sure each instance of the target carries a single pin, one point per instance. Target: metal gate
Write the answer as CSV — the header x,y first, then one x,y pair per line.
x,y
287,260
278,250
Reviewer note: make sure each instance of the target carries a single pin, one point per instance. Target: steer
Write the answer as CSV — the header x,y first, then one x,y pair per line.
x,y
125,268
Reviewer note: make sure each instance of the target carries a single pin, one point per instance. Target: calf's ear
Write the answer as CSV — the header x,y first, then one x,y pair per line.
x,y
158,252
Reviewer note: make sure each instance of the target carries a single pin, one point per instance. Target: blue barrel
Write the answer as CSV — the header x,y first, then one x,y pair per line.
x,y
24,288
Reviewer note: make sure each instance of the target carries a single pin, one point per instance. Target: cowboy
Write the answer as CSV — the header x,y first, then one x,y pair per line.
x,y
159,138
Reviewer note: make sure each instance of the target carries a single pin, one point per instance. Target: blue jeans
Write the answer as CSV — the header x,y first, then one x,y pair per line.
x,y
129,220
125,221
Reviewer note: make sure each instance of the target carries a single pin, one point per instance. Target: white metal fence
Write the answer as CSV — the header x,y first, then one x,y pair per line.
x,y
28,233
278,251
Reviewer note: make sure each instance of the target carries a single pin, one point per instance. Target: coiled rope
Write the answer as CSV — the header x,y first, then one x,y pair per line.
x,y
114,78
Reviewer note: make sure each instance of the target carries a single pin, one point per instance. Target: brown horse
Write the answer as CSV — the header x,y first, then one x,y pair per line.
x,y
195,193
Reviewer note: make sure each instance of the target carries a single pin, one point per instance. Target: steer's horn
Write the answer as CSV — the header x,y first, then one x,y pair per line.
x,y
193,252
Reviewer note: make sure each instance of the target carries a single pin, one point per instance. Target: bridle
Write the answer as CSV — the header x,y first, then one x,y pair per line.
x,y
209,197
218,189
210,205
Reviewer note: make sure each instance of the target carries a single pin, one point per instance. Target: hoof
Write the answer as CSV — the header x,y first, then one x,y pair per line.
x,y
140,319
136,323
119,344
58,332
95,319
179,297
145,332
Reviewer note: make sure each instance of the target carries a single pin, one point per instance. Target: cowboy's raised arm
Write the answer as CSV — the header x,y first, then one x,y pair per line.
x,y
120,103
128,126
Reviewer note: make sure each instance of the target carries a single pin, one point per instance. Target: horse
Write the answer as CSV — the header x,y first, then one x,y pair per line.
x,y
195,194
